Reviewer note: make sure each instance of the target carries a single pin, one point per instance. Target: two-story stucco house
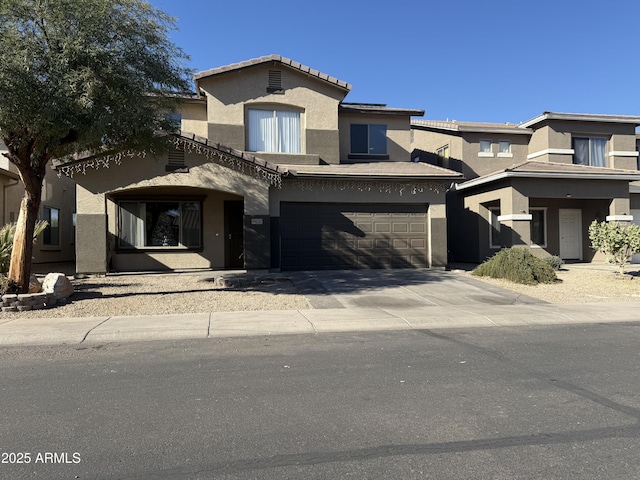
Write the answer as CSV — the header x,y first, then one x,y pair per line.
x,y
272,170
57,242
538,184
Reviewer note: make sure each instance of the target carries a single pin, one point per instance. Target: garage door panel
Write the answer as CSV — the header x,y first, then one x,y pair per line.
x,y
344,236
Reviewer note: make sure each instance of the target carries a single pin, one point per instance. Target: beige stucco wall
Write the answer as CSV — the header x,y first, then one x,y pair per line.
x,y
100,190
230,95
430,141
558,135
476,165
194,117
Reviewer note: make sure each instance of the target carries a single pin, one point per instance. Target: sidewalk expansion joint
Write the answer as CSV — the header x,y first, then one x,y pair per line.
x,y
307,319
93,328
400,317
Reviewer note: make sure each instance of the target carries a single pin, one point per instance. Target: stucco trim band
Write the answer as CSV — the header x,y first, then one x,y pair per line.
x,y
621,153
515,216
551,151
619,218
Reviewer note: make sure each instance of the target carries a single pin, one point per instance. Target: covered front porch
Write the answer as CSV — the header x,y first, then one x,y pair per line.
x,y
550,214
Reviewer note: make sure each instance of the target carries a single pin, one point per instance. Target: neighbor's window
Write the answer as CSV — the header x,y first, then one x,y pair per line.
x,y
485,148
369,139
589,151
494,229
504,146
163,224
538,226
274,131
51,234
443,151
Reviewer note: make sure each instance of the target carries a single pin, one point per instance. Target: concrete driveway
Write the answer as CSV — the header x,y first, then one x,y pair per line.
x,y
400,289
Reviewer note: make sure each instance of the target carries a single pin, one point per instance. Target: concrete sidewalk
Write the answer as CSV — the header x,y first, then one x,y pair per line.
x,y
92,330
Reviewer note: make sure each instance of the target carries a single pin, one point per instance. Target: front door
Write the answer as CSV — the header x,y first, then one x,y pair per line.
x,y
570,233
234,234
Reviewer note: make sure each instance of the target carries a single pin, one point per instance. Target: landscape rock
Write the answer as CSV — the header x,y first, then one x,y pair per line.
x,y
58,284
34,284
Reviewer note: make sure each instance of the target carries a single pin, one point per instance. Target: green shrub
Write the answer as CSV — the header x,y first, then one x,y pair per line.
x,y
6,242
517,265
555,262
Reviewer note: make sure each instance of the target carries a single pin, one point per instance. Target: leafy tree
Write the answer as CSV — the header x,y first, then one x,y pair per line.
x,y
615,240
80,77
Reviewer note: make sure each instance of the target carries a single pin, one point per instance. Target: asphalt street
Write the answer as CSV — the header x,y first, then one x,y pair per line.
x,y
534,402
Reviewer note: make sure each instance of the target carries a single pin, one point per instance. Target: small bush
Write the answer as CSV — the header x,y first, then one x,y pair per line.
x,y
555,262
517,265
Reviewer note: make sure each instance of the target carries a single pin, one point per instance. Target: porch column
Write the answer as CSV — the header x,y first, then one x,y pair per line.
x,y
437,232
620,210
91,232
515,219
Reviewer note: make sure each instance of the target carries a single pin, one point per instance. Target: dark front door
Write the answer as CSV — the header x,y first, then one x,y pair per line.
x,y
233,234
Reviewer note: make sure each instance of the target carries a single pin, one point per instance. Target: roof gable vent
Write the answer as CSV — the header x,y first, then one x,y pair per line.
x,y
175,161
275,82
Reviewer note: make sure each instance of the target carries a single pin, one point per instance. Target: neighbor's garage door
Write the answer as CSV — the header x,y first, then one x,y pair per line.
x,y
323,236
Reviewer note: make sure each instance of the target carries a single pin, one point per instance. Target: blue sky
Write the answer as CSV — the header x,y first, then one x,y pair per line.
x,y
492,61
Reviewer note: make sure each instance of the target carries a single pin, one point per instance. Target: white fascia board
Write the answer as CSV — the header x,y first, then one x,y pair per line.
x,y
566,176
551,151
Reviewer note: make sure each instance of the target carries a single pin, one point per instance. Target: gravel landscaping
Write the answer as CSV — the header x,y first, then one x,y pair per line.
x,y
195,292
582,283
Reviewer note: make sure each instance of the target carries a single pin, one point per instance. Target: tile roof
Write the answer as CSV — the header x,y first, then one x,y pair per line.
x,y
375,170
533,169
583,117
455,126
378,108
273,58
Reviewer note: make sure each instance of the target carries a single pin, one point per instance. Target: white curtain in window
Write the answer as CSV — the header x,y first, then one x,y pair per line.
x,y
598,146
581,151
288,132
261,131
130,225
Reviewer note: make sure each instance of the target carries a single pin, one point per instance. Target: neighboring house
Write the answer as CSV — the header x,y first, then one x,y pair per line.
x,y
57,242
538,184
272,170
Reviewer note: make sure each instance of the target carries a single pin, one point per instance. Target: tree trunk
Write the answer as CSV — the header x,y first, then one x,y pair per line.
x,y
22,253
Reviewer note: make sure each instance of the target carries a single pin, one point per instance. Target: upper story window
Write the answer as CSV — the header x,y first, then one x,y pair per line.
x,y
485,149
443,153
368,139
590,151
274,131
504,148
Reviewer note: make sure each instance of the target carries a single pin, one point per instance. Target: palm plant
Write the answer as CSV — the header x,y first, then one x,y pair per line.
x,y
6,242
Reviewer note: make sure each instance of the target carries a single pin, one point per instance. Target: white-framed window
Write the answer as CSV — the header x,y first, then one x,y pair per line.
x,y
538,227
274,131
589,151
51,234
443,153
368,139
485,149
504,148
159,224
494,227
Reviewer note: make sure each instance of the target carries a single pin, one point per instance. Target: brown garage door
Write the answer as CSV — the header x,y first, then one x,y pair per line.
x,y
325,236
